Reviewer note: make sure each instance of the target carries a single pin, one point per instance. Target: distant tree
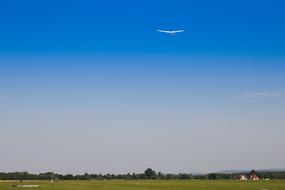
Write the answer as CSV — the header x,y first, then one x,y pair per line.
x,y
68,177
159,175
212,176
86,176
169,176
150,174
252,173
184,176
134,176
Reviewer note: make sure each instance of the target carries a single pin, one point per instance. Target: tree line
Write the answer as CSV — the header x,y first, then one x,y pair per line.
x,y
148,174
260,175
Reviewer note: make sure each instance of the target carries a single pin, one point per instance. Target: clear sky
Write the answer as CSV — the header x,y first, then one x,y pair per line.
x,y
90,86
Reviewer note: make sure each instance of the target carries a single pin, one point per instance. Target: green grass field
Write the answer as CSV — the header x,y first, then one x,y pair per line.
x,y
149,185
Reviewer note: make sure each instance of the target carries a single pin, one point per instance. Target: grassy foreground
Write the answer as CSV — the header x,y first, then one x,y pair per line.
x,y
149,185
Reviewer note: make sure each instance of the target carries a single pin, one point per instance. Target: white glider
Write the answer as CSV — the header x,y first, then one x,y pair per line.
x,y
170,32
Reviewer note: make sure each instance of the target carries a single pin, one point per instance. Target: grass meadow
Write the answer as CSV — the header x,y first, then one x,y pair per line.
x,y
149,185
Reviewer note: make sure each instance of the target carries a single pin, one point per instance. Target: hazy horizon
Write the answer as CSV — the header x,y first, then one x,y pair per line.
x,y
92,87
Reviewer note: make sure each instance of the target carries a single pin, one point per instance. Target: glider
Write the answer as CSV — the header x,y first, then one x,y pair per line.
x,y
170,32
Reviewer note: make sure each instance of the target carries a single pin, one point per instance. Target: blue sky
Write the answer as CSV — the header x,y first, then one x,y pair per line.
x,y
235,27
90,86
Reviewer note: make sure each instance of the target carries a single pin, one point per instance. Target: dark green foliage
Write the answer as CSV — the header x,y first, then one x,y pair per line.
x,y
148,174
